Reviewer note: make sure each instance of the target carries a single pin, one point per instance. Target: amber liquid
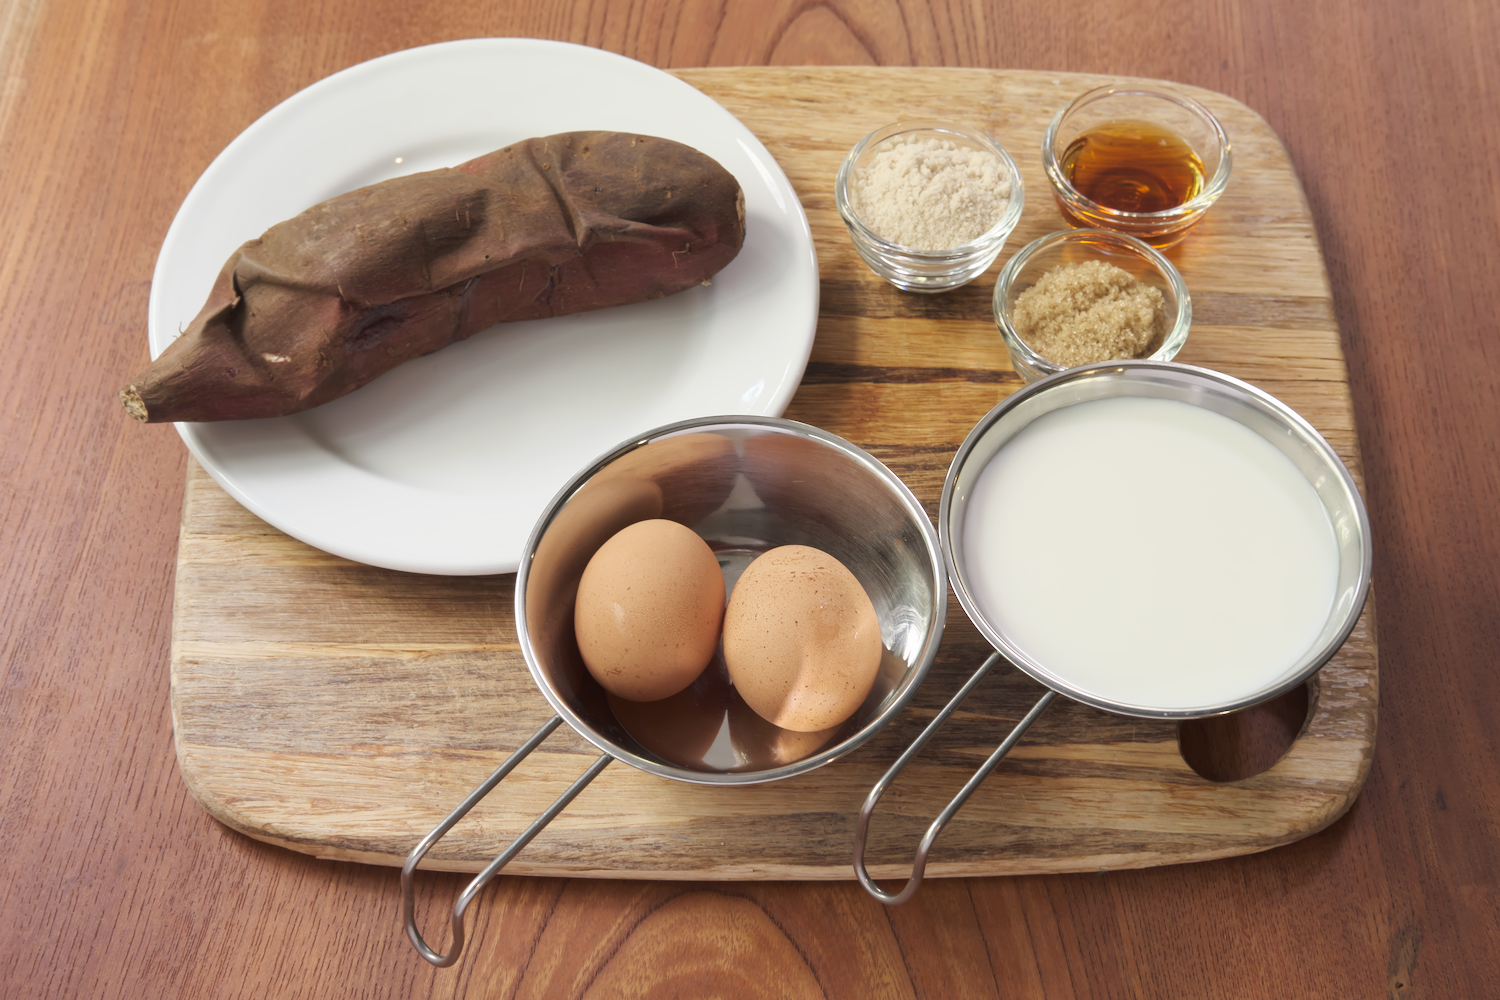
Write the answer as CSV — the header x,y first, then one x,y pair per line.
x,y
1133,166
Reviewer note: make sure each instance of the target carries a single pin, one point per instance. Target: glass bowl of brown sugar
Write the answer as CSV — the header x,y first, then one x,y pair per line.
x,y
1137,160
1084,296
929,204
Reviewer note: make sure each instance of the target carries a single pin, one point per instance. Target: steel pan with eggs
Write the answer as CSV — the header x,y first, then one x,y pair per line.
x,y
1333,493
745,485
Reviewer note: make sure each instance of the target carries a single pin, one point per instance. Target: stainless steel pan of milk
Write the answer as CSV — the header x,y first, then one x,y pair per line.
x,y
1151,539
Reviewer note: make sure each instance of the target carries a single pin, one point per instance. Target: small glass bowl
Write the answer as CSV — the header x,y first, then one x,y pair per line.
x,y
1074,246
928,270
1190,120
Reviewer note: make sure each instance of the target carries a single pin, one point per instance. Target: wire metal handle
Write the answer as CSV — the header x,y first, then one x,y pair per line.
x,y
408,870
920,865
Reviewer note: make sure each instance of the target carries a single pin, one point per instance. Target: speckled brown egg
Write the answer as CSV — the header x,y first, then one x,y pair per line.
x,y
650,603
801,639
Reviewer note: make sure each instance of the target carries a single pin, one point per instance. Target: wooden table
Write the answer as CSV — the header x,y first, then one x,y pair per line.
x,y
117,883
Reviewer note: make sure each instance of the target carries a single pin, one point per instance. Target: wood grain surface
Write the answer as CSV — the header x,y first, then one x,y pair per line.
x,y
340,710
116,883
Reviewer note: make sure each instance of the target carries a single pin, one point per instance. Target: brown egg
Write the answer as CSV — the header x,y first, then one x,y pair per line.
x,y
591,518
649,607
801,639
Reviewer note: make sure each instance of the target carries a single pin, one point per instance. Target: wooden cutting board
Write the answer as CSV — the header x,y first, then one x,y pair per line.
x,y
342,710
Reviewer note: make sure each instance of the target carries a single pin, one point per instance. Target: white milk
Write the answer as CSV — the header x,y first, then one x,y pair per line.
x,y
1151,552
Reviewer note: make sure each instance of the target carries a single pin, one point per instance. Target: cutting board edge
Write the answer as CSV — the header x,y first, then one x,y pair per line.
x,y
812,872
783,872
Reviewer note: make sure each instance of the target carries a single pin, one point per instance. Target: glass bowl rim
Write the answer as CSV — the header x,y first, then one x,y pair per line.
x,y
1176,335
1000,231
1211,191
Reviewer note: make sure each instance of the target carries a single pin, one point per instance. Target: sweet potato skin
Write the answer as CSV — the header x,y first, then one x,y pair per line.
x,y
321,304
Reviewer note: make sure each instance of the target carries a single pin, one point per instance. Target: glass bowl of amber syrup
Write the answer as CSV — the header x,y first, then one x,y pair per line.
x,y
1136,160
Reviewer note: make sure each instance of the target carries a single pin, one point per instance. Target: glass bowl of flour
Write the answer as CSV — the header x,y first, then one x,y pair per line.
x,y
929,204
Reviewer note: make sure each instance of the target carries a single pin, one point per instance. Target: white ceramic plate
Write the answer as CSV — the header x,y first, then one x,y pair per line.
x,y
444,464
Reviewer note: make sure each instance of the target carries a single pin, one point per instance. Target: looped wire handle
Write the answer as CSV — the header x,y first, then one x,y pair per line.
x,y
408,871
920,865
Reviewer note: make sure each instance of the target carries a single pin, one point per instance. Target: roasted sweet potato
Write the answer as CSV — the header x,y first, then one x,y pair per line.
x,y
323,303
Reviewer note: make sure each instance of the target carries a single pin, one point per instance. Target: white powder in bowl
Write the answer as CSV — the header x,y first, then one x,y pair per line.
x,y
929,193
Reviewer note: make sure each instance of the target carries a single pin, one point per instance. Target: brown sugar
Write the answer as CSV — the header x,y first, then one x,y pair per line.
x,y
1077,314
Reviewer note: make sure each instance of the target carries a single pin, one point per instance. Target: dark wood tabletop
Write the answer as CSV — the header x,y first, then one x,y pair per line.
x,y
115,882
